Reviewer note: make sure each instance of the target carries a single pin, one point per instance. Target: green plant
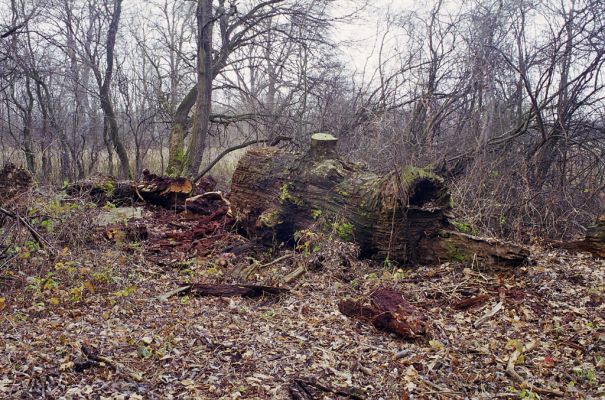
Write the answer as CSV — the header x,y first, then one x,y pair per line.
x,y
463,227
527,394
286,196
343,230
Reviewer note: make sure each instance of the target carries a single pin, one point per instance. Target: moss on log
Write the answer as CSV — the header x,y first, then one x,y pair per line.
x,y
275,193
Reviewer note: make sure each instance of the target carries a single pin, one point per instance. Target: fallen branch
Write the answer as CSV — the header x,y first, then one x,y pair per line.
x,y
510,370
94,359
222,290
246,272
43,243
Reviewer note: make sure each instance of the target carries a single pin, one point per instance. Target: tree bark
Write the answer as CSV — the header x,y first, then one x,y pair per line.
x,y
201,120
402,216
176,141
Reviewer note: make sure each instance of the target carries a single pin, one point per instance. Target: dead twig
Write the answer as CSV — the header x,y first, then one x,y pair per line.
x,y
43,243
510,370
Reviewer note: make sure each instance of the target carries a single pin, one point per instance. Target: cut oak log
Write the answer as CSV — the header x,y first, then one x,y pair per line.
x,y
402,216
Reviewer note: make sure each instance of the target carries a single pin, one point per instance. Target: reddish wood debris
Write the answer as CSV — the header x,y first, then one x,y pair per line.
x,y
470,302
389,312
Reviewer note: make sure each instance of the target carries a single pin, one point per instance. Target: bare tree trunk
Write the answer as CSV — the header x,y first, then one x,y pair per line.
x,y
106,103
201,120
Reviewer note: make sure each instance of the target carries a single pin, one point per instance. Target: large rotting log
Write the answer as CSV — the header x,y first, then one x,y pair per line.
x,y
401,216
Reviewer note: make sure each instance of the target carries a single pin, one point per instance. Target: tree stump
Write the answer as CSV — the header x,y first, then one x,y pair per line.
x,y
402,216
14,181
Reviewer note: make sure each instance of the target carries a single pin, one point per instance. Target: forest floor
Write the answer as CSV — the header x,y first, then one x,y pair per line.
x,y
93,291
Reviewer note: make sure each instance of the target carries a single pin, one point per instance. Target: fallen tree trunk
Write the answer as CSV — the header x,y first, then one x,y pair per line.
x,y
169,192
402,216
594,240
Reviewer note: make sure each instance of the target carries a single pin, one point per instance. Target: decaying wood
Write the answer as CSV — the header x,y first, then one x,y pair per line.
x,y
389,312
470,302
402,216
205,204
594,240
178,193
223,290
103,189
13,181
163,190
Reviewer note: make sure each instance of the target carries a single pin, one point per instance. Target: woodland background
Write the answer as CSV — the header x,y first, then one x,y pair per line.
x,y
504,98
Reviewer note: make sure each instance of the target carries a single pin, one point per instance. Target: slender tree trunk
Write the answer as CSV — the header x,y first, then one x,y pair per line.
x,y
106,104
201,120
27,143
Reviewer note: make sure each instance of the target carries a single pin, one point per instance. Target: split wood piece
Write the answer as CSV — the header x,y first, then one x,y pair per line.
x,y
14,181
171,293
594,240
510,370
470,302
223,290
398,216
314,264
207,203
312,389
295,274
388,312
490,313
